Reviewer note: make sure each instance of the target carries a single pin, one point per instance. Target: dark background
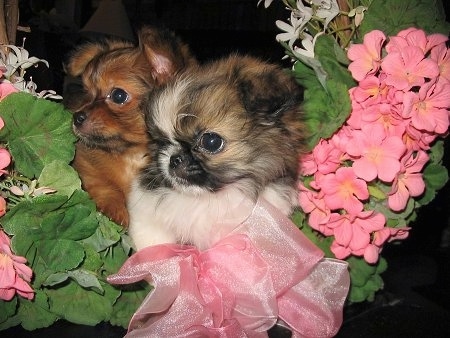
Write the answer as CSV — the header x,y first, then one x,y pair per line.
x,y
416,299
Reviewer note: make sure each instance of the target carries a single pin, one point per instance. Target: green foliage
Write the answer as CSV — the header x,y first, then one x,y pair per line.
x,y
366,279
37,132
326,100
392,16
70,247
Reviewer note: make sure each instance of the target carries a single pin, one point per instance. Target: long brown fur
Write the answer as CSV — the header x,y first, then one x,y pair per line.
x,y
113,141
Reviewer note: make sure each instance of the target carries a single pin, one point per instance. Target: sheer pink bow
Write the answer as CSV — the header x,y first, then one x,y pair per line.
x,y
264,271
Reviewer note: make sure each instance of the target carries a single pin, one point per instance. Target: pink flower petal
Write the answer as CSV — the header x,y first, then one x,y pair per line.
x,y
360,239
397,200
339,251
371,254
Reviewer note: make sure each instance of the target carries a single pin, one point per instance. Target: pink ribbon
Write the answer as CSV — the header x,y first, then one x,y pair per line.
x,y
265,271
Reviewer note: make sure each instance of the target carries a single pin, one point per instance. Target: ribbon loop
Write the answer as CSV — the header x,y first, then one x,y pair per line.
x,y
265,270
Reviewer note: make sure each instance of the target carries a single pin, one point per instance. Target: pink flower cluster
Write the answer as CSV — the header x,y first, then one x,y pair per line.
x,y
6,88
14,273
400,106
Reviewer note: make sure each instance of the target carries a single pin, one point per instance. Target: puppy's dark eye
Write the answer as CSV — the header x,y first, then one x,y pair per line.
x,y
118,96
211,143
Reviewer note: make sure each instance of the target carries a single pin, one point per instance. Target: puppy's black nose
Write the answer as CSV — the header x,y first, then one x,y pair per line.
x,y
185,166
79,118
177,160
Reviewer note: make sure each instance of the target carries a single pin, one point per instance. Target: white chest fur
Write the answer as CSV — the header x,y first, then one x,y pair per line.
x,y
168,216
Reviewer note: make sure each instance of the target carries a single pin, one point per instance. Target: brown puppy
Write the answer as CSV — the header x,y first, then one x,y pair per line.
x,y
108,120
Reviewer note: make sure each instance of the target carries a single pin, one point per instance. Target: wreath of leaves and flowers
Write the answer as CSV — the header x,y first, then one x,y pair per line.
x,y
377,105
376,147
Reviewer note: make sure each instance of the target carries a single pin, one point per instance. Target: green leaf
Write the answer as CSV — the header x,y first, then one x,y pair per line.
x,y
86,279
80,306
60,254
56,278
60,176
305,76
113,258
376,192
41,271
365,279
436,152
52,216
32,314
394,16
92,260
35,314
127,304
107,234
27,215
326,81
325,110
334,61
435,176
7,309
37,131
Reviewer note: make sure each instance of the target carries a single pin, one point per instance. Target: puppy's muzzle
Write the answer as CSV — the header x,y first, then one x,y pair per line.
x,y
183,166
79,118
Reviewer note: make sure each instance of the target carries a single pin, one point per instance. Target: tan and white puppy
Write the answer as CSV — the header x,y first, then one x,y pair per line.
x,y
223,134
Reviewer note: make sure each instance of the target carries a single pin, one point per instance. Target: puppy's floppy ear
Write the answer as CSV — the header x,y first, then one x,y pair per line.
x,y
266,89
79,59
165,52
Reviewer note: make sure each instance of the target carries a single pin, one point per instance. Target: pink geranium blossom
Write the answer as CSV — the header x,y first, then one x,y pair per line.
x,y
428,108
353,234
370,88
415,139
366,57
414,37
325,158
376,154
398,109
387,116
14,273
441,55
312,203
2,206
5,157
408,68
343,190
5,160
409,182
6,88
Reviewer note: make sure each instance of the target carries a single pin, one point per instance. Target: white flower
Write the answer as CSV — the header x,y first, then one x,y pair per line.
x,y
299,18
303,11
358,13
31,191
326,9
266,3
18,60
308,47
